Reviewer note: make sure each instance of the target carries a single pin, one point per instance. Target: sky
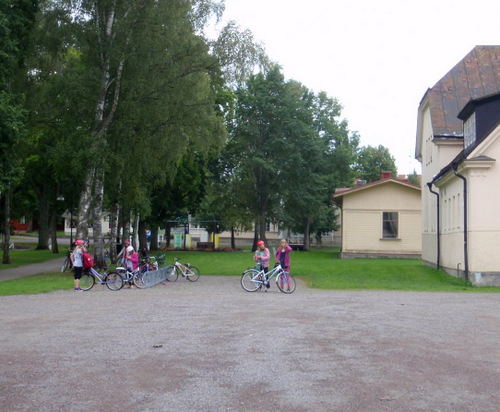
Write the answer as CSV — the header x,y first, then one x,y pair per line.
x,y
378,58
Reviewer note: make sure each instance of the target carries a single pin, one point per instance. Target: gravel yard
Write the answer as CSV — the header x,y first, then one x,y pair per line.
x,y
211,346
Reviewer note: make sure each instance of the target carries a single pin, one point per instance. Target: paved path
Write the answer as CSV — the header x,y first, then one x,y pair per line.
x,y
53,265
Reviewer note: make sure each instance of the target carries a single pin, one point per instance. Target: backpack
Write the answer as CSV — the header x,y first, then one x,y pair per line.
x,y
88,260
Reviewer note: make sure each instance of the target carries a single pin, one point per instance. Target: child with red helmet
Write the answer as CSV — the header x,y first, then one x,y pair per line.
x,y
77,261
262,257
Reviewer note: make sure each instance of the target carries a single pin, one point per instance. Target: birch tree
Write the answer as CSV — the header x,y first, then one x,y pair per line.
x,y
153,78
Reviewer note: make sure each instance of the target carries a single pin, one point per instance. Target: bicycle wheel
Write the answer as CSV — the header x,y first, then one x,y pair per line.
x,y
193,274
173,275
138,279
285,282
87,281
114,281
251,280
66,265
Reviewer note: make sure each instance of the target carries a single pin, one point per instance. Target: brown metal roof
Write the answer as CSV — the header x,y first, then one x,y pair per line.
x,y
475,76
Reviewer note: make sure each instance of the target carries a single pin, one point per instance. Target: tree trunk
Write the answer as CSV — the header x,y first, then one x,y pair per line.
x,y
30,223
143,240
6,225
154,239
167,235
82,230
307,236
97,218
255,237
113,230
319,240
135,228
125,226
262,229
53,230
43,220
233,240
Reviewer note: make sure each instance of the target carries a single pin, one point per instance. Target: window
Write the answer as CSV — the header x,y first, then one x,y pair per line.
x,y
470,130
428,149
390,225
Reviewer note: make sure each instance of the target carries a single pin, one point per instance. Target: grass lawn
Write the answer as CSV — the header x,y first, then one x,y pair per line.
x,y
30,255
319,268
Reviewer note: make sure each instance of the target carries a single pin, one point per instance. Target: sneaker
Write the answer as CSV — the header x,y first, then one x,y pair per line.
x,y
78,290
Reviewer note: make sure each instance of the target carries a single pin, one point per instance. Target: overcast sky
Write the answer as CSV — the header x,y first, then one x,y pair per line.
x,y
377,58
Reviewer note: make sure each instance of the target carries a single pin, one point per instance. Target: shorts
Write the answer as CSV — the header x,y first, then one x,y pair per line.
x,y
78,272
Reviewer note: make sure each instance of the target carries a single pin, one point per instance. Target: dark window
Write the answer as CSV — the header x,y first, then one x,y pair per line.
x,y
390,225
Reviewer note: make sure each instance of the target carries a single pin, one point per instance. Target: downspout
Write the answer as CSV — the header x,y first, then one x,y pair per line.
x,y
466,257
438,229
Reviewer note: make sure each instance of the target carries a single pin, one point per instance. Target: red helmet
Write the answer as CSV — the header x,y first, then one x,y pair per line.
x,y
127,242
78,242
260,243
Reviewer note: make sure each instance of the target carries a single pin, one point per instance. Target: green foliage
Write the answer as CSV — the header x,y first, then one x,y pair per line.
x,y
238,54
373,161
287,153
259,144
16,21
12,117
413,178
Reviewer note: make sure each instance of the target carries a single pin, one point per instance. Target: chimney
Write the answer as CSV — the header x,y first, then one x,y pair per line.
x,y
386,175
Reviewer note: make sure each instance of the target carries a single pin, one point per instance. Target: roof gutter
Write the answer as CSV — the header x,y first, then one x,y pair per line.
x,y
466,257
438,229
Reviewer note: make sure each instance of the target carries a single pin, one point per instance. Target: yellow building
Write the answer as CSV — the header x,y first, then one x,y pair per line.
x,y
381,219
458,142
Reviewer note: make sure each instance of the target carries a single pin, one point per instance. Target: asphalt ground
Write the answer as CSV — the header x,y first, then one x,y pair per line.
x,y
211,346
53,265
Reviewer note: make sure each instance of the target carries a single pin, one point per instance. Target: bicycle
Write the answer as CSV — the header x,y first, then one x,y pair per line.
x,y
67,262
112,280
188,271
160,260
253,279
106,260
132,277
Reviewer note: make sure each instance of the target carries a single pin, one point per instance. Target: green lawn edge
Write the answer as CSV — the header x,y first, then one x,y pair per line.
x,y
319,268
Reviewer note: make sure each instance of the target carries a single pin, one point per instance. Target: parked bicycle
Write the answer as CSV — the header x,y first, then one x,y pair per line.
x,y
112,280
188,271
67,265
130,277
253,279
160,260
106,259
